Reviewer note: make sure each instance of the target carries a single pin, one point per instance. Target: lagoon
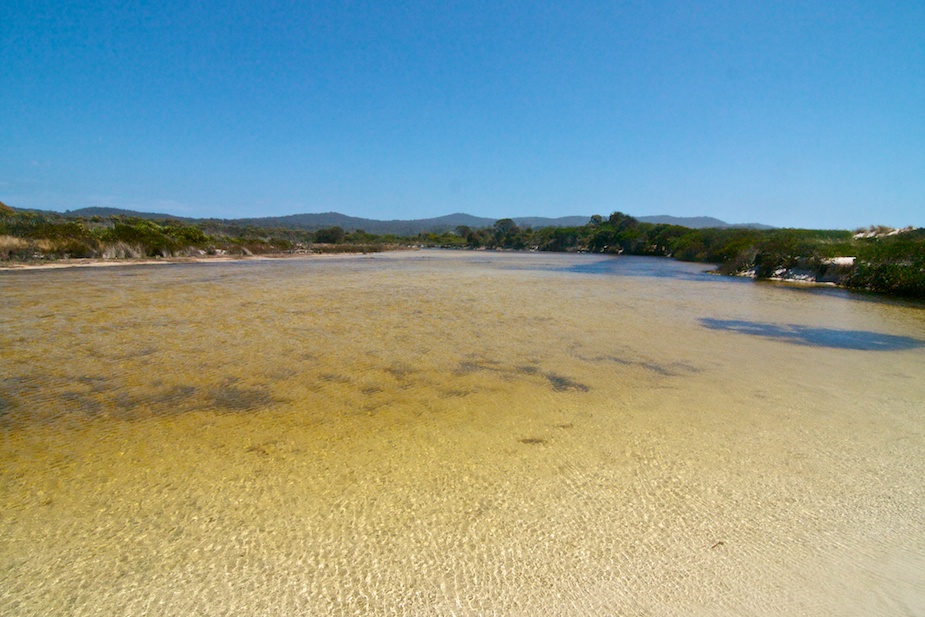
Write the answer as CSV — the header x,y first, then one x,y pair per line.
x,y
456,433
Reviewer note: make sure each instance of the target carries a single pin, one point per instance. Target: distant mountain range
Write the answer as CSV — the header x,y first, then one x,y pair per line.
x,y
439,224
697,222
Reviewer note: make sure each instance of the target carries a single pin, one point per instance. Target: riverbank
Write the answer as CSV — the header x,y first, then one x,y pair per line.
x,y
99,262
882,260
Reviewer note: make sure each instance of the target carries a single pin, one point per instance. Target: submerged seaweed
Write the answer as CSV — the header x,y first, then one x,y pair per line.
x,y
230,397
563,384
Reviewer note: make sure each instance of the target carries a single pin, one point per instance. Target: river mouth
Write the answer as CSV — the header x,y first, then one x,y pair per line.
x,y
456,433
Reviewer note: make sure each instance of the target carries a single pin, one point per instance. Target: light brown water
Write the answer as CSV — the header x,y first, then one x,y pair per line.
x,y
439,433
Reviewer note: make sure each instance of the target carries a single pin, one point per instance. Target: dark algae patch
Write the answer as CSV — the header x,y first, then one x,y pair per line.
x,y
399,371
230,397
80,402
564,384
559,383
455,393
334,378
469,367
674,369
178,394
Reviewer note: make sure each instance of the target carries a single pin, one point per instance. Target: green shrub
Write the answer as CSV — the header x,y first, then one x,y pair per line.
x,y
901,279
331,235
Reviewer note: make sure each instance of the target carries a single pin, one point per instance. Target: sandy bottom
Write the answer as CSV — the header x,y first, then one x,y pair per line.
x,y
462,434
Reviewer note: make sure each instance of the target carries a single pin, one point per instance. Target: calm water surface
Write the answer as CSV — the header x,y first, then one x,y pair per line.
x,y
456,433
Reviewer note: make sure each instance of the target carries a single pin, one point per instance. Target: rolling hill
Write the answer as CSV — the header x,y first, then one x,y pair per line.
x,y
440,224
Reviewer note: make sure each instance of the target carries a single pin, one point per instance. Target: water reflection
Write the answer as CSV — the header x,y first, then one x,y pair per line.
x,y
817,337
650,267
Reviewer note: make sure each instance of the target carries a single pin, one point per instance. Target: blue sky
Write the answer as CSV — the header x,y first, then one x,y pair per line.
x,y
804,114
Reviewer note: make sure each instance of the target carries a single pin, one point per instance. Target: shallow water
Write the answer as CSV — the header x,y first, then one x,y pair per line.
x,y
456,433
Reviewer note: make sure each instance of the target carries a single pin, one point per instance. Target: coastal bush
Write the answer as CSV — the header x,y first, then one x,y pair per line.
x,y
330,235
145,234
477,238
559,239
784,249
329,249
901,279
359,236
508,235
661,238
21,249
620,233
151,238
281,245
908,246
76,248
430,240
39,226
185,235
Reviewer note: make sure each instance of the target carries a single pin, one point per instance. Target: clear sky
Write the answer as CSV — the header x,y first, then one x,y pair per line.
x,y
803,114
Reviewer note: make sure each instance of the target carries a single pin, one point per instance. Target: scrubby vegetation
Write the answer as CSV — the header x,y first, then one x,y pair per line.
x,y
884,260
34,236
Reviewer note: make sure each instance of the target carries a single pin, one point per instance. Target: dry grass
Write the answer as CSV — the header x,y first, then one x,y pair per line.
x,y
122,250
12,247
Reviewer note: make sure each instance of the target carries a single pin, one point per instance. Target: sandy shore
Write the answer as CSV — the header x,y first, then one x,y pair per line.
x,y
106,263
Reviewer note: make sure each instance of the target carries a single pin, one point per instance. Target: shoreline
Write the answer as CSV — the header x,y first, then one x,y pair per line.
x,y
785,277
99,262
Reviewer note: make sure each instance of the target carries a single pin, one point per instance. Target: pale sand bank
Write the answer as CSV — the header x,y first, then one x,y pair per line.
x,y
105,263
